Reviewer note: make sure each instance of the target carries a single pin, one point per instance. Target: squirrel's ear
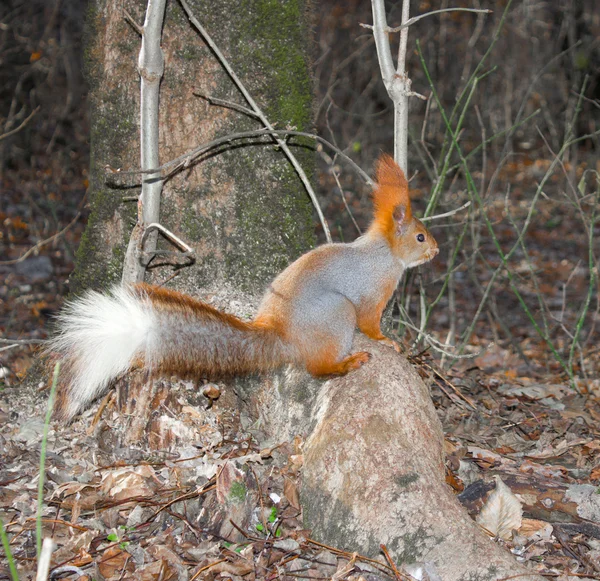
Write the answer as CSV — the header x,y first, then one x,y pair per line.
x,y
400,218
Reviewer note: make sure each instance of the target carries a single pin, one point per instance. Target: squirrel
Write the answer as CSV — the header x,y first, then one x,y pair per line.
x,y
307,316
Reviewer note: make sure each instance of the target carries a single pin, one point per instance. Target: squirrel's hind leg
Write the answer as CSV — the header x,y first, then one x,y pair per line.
x,y
327,365
324,334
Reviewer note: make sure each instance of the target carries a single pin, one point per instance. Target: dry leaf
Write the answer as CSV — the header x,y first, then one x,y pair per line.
x,y
502,513
125,483
156,571
290,491
114,561
534,529
239,567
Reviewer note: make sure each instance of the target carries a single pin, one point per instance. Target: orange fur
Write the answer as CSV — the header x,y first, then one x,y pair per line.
x,y
390,195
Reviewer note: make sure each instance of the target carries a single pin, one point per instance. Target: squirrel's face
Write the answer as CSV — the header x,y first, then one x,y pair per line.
x,y
415,244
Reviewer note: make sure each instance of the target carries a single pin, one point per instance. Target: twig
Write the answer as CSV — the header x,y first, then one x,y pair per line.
x,y
14,343
594,102
184,496
446,214
348,555
21,341
131,21
17,129
438,345
42,243
339,185
228,104
391,563
206,567
186,251
457,391
346,569
414,19
260,114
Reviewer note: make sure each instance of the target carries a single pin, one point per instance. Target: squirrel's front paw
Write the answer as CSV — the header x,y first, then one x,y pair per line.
x,y
391,343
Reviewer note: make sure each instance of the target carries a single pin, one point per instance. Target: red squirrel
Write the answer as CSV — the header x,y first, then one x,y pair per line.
x,y
306,318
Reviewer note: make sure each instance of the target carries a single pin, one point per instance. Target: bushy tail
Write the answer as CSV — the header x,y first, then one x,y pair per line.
x,y
102,335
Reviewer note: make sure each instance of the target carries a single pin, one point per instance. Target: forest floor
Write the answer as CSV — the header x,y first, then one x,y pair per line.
x,y
123,512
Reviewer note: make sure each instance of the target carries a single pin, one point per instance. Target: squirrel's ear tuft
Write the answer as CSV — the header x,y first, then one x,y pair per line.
x,y
390,198
391,189
389,173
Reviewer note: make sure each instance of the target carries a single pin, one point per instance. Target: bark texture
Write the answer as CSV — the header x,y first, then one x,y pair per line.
x,y
244,211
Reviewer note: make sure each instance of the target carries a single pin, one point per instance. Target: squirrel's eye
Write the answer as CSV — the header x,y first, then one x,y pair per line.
x,y
421,237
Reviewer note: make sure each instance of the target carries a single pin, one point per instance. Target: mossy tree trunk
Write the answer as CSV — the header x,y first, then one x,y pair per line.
x,y
244,210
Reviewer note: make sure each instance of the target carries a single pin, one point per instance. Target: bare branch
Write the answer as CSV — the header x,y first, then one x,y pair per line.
x,y
42,243
130,20
186,251
21,341
17,129
228,104
446,214
14,343
396,81
414,19
188,158
382,42
151,66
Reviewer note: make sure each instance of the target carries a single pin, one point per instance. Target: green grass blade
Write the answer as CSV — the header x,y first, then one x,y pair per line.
x,y
6,544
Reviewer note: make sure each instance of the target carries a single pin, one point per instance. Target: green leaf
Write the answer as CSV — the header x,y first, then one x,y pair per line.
x,y
273,515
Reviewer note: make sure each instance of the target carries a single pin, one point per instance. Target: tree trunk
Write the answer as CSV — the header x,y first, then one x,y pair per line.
x,y
374,474
244,211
